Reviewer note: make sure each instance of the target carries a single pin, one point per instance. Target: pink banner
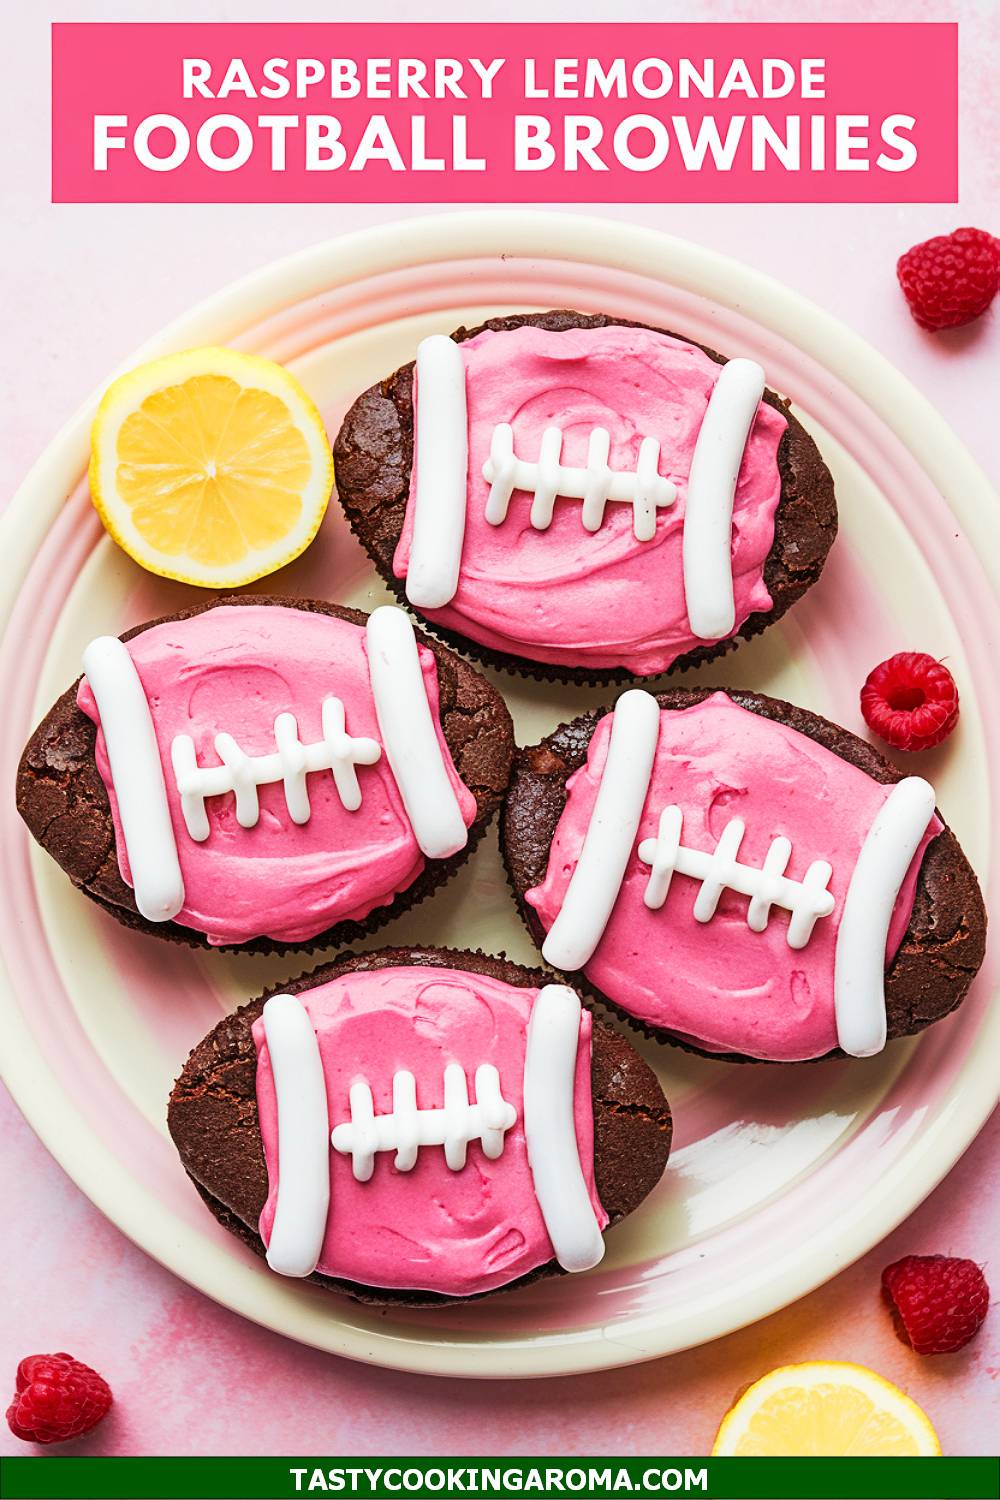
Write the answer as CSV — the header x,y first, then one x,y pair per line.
x,y
316,112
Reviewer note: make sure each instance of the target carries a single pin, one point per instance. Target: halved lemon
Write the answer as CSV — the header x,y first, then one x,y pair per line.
x,y
210,466
825,1410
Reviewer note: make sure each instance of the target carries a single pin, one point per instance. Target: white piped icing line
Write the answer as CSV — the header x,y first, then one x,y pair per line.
x,y
767,885
440,474
550,1129
242,774
859,964
409,735
614,822
707,548
303,1200
644,488
408,1128
137,775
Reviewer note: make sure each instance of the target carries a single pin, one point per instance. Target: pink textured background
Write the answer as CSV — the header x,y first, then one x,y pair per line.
x,y
84,286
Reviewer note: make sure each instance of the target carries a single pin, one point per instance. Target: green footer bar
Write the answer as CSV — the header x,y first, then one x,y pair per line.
x,y
60,1478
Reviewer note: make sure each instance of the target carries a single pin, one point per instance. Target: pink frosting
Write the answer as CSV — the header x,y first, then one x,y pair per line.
x,y
719,984
566,595
430,1229
234,669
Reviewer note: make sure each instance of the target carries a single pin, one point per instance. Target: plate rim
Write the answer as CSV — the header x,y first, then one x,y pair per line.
x,y
588,240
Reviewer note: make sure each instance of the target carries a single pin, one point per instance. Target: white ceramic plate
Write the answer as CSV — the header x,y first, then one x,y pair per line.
x,y
779,1177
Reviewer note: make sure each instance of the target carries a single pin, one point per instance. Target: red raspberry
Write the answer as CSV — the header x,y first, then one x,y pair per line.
x,y
910,701
950,279
56,1398
938,1302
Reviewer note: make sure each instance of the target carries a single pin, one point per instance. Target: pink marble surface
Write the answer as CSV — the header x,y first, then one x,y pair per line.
x,y
89,284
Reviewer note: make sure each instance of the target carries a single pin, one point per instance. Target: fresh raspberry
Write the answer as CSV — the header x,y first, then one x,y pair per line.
x,y
56,1398
950,279
910,701
938,1302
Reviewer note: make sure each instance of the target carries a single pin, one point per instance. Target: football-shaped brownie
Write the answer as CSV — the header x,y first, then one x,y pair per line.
x,y
418,1125
741,876
585,498
266,772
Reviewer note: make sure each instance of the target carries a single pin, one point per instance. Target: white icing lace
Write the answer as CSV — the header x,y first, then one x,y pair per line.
x,y
408,1128
807,899
643,487
242,774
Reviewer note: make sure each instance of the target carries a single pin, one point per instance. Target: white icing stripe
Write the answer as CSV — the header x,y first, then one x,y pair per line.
x,y
440,474
406,1129
595,883
708,515
303,1201
859,965
409,735
137,774
643,487
550,1129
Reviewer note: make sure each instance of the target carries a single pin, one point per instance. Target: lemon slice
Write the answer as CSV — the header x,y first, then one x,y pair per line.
x,y
210,466
825,1410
